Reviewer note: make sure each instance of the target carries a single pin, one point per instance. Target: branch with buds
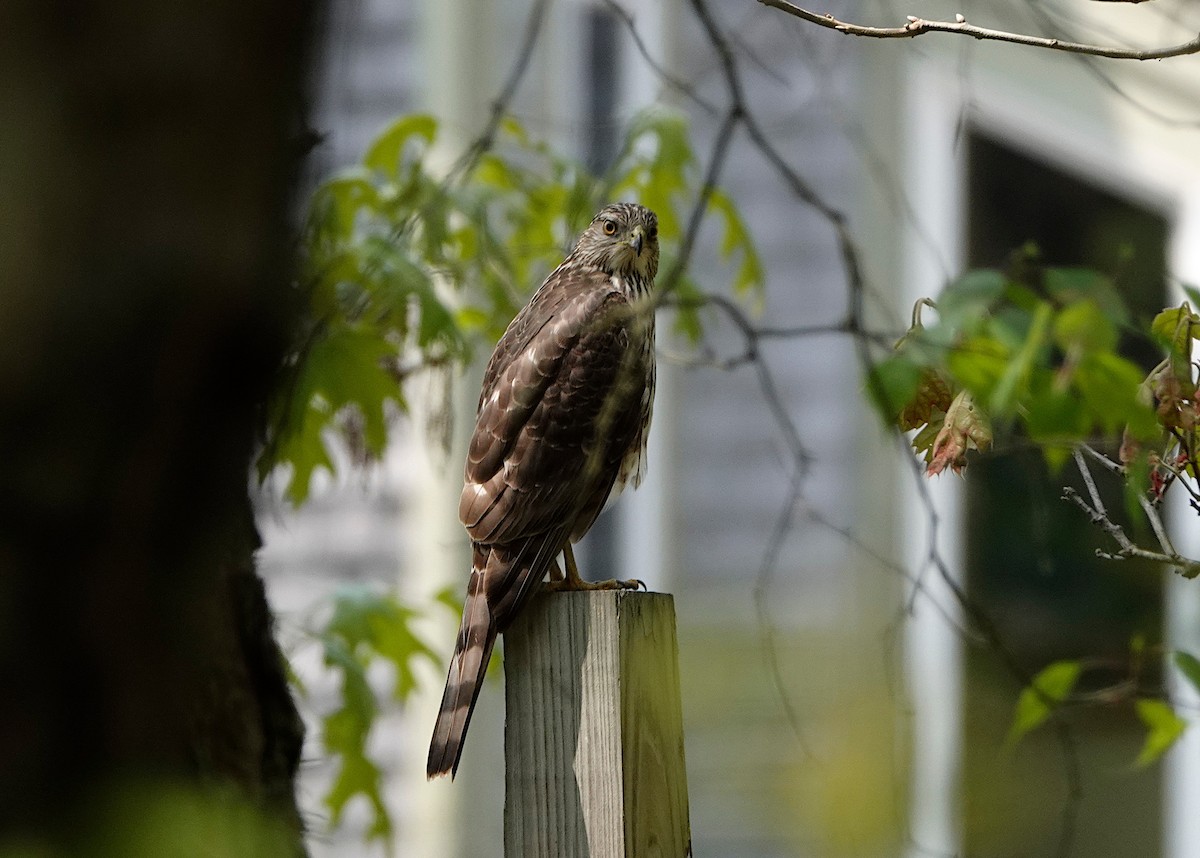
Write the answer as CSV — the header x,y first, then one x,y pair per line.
x,y
915,26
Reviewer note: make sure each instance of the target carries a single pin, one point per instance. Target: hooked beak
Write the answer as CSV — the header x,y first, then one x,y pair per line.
x,y
637,240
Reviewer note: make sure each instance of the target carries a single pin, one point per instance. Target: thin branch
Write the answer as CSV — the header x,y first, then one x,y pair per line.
x,y
1180,478
889,565
1156,524
1093,492
1103,460
671,80
1097,71
761,332
762,587
1099,518
1126,548
715,162
1097,514
766,380
484,141
919,26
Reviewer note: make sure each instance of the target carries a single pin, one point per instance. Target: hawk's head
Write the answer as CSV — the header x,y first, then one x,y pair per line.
x,y
622,239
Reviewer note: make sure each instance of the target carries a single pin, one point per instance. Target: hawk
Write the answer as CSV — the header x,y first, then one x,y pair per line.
x,y
561,427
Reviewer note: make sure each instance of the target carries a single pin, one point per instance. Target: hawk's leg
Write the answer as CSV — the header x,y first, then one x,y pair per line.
x,y
572,581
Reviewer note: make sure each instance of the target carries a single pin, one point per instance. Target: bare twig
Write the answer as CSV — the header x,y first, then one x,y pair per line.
x,y
715,162
918,26
1156,524
1100,73
676,83
487,137
1093,492
1098,515
1127,549
1101,459
762,589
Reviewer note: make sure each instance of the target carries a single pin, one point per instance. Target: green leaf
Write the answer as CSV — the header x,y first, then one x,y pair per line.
x,y
1079,285
688,321
657,178
967,301
978,364
1189,666
371,624
357,775
1164,728
1081,327
1109,385
1056,456
471,319
1048,689
347,368
1054,416
305,451
345,733
451,598
387,151
337,202
737,239
494,171
1012,383
1175,326
892,384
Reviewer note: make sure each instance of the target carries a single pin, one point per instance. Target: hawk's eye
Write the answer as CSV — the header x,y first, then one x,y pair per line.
x,y
610,227
652,232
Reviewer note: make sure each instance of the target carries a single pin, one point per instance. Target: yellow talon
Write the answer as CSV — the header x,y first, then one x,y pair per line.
x,y
572,581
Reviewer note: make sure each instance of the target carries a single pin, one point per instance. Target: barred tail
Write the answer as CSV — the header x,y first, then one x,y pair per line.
x,y
473,649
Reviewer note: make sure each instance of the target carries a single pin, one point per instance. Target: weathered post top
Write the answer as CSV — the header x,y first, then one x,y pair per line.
x,y
593,736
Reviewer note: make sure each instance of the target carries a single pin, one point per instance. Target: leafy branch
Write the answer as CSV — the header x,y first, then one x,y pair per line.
x,y
405,271
364,627
1036,351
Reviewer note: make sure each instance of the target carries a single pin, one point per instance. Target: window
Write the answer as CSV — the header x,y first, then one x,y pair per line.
x,y
1030,557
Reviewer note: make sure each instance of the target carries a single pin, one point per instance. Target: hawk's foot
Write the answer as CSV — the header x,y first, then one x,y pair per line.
x,y
571,581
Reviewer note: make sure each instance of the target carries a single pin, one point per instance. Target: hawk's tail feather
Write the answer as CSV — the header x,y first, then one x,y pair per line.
x,y
503,578
472,651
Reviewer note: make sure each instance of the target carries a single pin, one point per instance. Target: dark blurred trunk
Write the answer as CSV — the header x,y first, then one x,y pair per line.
x,y
147,152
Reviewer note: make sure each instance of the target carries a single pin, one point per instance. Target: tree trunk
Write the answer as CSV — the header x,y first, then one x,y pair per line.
x,y
146,162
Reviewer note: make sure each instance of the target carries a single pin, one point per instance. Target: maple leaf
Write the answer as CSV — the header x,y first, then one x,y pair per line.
x,y
933,398
965,428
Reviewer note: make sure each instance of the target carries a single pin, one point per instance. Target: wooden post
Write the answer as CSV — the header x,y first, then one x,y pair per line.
x,y
593,735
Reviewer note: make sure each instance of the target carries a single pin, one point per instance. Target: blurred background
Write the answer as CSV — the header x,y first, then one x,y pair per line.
x,y
831,705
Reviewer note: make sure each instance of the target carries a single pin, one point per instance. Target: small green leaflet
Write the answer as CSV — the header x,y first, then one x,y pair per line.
x,y
1083,285
1189,666
1164,729
1047,690
737,240
387,152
